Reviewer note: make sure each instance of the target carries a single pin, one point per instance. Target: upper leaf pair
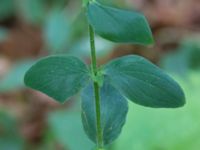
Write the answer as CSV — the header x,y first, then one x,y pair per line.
x,y
60,77
119,25
135,77
144,83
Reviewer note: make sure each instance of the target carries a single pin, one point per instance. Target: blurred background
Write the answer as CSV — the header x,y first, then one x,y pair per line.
x,y
30,29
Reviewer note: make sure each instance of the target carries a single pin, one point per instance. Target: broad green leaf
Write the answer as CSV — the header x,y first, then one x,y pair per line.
x,y
113,112
119,25
60,77
144,83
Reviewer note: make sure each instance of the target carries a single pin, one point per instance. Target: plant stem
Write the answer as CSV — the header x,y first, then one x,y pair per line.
x,y
96,90
93,50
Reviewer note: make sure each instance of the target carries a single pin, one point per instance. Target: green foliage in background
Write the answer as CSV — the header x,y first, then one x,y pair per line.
x,y
6,9
81,48
185,58
56,31
67,130
3,34
35,11
10,138
14,78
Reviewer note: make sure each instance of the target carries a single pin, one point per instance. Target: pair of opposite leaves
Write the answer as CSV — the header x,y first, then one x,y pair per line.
x,y
129,77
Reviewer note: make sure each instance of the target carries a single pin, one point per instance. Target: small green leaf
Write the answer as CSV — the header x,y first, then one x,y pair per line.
x,y
144,83
119,25
60,77
113,112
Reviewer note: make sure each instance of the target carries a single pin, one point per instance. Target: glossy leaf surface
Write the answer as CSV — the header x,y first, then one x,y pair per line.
x,y
60,77
113,112
119,25
144,83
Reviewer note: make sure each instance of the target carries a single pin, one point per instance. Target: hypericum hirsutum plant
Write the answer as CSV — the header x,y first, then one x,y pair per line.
x,y
105,89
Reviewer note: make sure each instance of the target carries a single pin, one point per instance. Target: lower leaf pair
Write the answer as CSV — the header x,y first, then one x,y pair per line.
x,y
114,108
129,77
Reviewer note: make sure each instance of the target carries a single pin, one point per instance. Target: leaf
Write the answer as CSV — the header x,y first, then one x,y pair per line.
x,y
144,83
119,25
60,77
113,112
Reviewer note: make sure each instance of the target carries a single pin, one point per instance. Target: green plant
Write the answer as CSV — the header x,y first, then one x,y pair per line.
x,y
10,138
106,88
6,9
186,57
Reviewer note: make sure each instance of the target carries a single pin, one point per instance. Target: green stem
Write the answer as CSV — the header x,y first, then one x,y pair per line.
x,y
96,90
93,50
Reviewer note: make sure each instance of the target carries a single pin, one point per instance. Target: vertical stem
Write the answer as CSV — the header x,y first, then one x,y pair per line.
x,y
93,50
96,90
